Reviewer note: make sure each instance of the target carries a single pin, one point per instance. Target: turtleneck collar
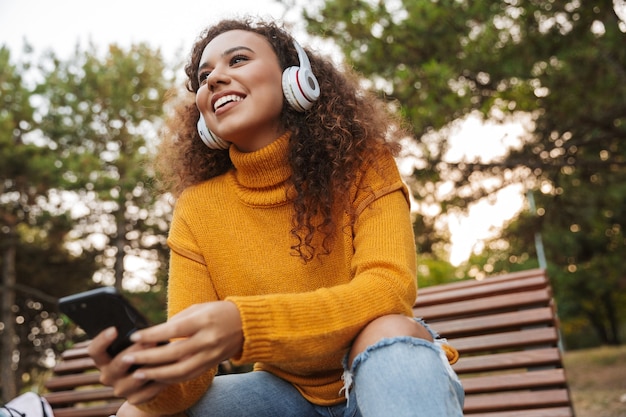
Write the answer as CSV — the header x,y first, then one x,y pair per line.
x,y
260,176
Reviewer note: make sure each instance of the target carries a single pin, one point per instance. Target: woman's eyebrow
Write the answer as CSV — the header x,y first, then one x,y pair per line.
x,y
235,49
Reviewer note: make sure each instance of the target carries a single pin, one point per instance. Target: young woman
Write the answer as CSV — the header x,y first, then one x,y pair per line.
x,y
291,248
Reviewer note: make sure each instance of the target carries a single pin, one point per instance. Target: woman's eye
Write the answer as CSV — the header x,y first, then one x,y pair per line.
x,y
238,59
203,76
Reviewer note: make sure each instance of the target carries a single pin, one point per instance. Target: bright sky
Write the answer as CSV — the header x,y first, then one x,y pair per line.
x,y
172,26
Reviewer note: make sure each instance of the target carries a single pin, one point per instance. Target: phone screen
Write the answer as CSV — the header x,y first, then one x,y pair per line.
x,y
98,309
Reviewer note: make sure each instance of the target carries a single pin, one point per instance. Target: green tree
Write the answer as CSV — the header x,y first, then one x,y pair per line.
x,y
106,111
31,231
560,62
75,200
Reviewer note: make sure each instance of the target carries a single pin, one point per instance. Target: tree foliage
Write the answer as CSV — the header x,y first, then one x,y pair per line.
x,y
563,63
105,112
75,198
27,173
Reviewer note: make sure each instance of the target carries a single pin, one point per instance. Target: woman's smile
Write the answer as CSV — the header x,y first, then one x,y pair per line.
x,y
224,101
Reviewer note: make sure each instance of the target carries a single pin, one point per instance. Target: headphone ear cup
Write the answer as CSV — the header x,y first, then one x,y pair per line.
x,y
291,91
300,87
209,138
308,84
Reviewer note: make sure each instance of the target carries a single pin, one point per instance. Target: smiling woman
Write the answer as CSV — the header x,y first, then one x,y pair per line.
x,y
291,248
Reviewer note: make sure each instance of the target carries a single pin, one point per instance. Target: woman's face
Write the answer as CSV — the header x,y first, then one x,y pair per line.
x,y
240,94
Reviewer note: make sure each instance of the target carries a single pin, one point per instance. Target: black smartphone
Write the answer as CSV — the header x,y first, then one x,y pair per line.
x,y
96,310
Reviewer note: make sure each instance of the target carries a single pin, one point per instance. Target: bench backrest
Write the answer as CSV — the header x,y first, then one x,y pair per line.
x,y
506,331
504,328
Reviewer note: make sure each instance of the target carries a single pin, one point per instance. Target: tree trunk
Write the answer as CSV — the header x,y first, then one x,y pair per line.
x,y
598,325
120,243
613,320
7,367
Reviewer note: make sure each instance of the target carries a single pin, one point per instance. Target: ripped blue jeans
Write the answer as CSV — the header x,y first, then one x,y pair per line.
x,y
397,377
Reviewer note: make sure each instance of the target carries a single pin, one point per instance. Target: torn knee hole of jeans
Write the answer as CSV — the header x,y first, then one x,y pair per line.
x,y
348,374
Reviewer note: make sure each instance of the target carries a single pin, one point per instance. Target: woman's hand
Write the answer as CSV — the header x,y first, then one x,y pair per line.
x,y
114,372
202,336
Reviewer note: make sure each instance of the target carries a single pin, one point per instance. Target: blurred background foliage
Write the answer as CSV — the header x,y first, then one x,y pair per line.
x,y
78,208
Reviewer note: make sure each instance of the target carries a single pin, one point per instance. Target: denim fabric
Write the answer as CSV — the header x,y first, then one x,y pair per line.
x,y
406,377
261,394
397,377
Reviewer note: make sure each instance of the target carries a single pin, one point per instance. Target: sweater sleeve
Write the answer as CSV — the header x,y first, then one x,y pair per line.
x,y
293,327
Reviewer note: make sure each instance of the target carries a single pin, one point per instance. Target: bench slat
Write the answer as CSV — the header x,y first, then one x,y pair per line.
x,y
538,412
79,350
489,323
62,382
517,381
74,365
476,291
472,283
516,400
506,302
500,361
95,394
521,338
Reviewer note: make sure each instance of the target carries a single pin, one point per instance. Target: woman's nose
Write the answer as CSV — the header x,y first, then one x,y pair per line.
x,y
216,77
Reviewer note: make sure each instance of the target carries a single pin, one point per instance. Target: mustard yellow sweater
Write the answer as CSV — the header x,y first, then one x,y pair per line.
x,y
230,240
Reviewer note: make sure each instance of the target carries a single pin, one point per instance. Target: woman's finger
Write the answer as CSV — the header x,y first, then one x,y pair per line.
x,y
172,329
188,322
155,355
147,392
180,360
98,346
117,369
183,370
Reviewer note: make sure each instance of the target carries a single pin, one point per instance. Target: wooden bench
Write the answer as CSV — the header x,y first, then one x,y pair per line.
x,y
504,328
506,332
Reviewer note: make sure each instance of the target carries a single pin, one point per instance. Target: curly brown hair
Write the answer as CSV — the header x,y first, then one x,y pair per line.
x,y
346,128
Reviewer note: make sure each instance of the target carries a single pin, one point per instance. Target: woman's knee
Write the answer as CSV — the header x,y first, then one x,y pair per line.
x,y
390,326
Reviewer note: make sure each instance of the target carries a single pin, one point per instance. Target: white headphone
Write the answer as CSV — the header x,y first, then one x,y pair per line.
x,y
209,138
300,88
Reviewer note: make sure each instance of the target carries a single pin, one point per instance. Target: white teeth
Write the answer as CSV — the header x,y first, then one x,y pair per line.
x,y
223,100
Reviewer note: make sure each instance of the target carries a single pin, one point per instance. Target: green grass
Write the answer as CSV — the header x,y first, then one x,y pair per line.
x,y
597,381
